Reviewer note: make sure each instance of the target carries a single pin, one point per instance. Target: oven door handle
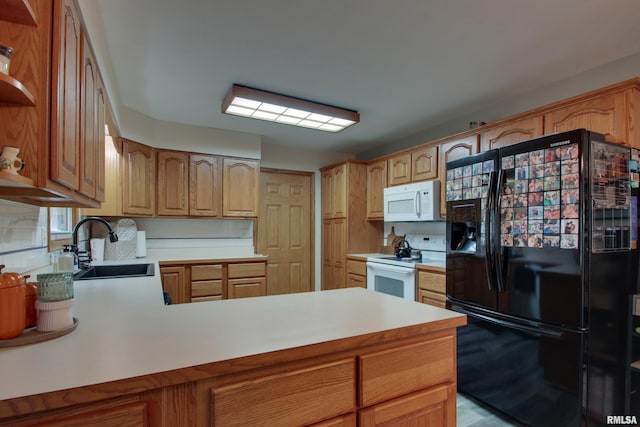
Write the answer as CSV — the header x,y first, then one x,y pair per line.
x,y
390,268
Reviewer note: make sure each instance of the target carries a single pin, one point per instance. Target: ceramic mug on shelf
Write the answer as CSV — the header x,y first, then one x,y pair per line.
x,y
9,161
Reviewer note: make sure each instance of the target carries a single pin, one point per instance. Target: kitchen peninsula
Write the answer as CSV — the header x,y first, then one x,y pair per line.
x,y
321,357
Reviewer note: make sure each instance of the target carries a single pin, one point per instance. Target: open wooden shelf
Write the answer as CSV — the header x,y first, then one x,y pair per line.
x,y
12,92
18,12
14,180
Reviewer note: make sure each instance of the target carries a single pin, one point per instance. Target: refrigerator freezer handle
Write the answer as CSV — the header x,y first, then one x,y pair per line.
x,y
539,331
488,232
497,251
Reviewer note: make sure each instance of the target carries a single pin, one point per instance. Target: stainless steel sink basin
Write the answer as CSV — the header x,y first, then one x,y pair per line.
x,y
115,271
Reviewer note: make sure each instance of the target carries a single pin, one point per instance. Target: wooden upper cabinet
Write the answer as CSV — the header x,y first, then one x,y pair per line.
x,y
173,183
138,179
205,189
241,181
376,183
112,205
512,133
453,150
334,192
400,169
101,120
327,194
340,203
424,164
90,152
65,96
605,114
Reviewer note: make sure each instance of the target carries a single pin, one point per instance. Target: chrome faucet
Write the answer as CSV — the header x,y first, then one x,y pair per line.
x,y
112,235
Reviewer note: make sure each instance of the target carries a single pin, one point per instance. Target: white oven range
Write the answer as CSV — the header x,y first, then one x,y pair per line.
x,y
397,276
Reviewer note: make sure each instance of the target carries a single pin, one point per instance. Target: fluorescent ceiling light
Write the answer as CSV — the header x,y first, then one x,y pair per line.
x,y
258,104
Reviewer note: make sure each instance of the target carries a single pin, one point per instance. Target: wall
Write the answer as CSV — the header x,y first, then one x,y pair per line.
x,y
604,75
176,136
230,238
23,236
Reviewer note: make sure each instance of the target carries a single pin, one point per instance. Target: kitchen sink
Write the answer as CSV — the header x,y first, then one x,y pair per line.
x,y
115,271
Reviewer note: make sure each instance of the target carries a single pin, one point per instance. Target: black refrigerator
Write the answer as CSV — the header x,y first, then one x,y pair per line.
x,y
541,256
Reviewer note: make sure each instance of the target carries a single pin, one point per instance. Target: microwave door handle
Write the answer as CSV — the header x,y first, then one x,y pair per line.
x,y
416,203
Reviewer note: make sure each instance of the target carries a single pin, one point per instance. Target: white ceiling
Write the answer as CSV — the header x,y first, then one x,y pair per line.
x,y
405,65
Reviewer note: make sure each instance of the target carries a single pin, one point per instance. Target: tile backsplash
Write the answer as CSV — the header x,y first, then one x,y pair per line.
x,y
23,236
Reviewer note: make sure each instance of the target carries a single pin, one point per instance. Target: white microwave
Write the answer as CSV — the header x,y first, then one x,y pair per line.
x,y
419,201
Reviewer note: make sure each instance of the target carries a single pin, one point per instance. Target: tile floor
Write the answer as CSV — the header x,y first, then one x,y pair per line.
x,y
471,414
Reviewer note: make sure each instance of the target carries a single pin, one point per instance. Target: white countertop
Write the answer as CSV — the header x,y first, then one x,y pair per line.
x,y
125,330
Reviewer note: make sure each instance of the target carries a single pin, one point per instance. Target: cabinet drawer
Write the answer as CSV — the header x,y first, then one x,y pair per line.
x,y
431,407
248,269
433,298
432,281
357,267
132,414
248,287
300,397
388,374
206,288
206,272
348,420
209,298
355,281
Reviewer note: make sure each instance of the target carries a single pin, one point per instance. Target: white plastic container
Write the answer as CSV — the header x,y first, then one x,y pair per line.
x,y
97,249
54,316
66,261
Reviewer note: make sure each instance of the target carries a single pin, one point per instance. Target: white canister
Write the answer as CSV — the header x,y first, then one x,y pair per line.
x,y
97,249
141,244
54,316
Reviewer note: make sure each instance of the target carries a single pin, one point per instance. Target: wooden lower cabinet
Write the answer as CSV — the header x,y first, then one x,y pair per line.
x,y
356,272
197,282
432,407
432,286
244,288
247,279
174,282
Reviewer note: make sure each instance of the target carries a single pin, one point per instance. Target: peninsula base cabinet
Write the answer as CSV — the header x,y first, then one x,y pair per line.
x,y
397,377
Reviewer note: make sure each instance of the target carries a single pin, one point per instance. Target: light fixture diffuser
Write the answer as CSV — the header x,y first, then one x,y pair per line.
x,y
258,104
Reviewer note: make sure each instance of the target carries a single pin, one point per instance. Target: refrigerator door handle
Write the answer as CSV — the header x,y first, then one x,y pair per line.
x,y
488,227
539,332
500,280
